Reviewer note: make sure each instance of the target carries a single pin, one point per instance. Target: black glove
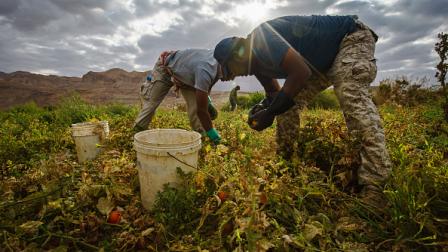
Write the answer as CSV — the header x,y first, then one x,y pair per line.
x,y
264,117
261,120
264,104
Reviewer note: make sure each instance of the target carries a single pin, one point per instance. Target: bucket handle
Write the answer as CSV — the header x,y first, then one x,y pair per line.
x,y
206,173
171,155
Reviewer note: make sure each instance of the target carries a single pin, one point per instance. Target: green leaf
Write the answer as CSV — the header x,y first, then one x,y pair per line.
x,y
30,227
312,230
105,205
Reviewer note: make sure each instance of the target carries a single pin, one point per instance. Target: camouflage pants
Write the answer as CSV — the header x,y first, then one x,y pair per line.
x,y
152,94
353,69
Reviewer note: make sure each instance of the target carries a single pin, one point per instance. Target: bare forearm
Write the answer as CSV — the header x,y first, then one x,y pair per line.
x,y
205,119
298,73
202,111
270,85
293,85
273,87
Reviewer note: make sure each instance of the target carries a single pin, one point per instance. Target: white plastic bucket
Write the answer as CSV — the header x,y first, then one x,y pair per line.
x,y
159,153
88,136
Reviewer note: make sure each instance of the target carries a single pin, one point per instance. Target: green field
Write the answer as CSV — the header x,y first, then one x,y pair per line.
x,y
242,198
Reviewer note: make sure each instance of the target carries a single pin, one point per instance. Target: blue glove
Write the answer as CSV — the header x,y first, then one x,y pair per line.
x,y
214,136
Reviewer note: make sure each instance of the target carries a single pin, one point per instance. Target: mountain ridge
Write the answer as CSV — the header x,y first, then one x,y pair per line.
x,y
113,85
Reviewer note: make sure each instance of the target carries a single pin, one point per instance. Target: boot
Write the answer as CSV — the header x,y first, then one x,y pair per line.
x,y
373,196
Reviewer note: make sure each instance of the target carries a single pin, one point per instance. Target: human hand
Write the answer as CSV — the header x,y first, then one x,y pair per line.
x,y
261,120
214,136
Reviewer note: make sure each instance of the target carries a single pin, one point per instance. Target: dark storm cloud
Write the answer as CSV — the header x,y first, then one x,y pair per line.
x,y
62,36
79,6
73,37
8,6
428,8
32,15
201,35
399,25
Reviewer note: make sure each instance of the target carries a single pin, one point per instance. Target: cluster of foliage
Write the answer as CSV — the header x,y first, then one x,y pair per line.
x,y
245,101
242,198
30,133
404,91
325,100
441,48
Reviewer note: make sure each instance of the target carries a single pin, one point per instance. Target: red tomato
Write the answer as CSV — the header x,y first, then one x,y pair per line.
x,y
223,195
114,217
263,198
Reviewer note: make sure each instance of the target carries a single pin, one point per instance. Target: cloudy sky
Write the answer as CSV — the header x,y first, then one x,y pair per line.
x,y
72,37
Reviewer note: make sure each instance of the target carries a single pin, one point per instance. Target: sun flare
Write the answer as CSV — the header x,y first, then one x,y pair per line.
x,y
252,11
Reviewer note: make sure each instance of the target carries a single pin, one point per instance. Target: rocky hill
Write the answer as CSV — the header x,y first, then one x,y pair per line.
x,y
114,85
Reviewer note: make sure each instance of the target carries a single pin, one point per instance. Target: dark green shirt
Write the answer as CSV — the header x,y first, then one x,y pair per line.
x,y
233,94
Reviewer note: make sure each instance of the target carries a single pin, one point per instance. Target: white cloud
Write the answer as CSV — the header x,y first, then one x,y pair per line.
x,y
388,3
156,24
428,40
168,2
47,72
253,11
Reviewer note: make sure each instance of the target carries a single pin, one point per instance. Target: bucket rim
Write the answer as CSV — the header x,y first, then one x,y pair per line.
x,y
197,138
154,151
89,124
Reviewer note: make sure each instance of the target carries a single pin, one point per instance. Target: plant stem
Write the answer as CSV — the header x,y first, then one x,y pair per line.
x,y
6,241
31,199
75,240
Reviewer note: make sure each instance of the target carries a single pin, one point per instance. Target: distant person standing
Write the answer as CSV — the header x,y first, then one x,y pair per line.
x,y
233,98
193,72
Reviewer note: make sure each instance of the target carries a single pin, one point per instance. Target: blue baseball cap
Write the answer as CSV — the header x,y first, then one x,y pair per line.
x,y
224,51
225,48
